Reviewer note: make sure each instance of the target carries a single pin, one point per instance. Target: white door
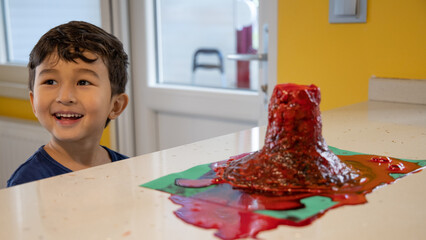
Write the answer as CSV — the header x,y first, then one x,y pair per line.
x,y
187,83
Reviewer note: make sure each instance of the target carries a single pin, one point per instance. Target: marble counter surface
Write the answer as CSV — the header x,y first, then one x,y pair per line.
x,y
106,202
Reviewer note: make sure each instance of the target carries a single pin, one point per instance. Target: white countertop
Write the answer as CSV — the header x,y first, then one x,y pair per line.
x,y
106,202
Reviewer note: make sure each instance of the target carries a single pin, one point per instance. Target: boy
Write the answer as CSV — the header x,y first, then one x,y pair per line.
x,y
77,79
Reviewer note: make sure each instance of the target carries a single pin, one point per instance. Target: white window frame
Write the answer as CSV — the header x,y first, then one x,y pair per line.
x,y
13,78
152,94
2,36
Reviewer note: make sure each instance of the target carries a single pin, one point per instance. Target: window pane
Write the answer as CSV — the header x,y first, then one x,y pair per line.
x,y
27,20
195,37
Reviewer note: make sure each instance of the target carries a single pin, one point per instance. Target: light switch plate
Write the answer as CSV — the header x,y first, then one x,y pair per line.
x,y
359,17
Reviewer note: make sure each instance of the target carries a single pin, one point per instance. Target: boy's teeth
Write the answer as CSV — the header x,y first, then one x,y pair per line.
x,y
68,115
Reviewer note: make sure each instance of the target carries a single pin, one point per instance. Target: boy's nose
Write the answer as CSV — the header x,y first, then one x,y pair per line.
x,y
66,95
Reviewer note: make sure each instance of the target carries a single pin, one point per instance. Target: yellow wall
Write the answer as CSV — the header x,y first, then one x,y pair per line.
x,y
340,58
18,108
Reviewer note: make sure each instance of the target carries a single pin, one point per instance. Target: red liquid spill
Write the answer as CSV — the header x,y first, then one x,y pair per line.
x,y
295,163
231,210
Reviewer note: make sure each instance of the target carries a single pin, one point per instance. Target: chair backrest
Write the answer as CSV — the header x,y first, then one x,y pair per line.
x,y
207,51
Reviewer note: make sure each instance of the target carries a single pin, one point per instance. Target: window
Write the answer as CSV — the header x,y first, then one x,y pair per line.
x,y
194,39
25,21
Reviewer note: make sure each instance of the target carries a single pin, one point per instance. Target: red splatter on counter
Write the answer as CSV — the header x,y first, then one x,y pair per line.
x,y
293,180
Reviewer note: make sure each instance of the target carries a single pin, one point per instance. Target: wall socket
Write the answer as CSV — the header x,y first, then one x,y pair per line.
x,y
347,11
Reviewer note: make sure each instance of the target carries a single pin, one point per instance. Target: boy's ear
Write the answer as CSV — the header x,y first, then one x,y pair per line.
x,y
32,102
119,103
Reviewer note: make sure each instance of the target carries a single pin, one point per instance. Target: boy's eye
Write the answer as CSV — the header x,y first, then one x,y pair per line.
x,y
83,83
50,82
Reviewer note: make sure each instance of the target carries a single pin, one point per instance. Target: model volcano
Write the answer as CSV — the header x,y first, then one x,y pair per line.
x,y
295,156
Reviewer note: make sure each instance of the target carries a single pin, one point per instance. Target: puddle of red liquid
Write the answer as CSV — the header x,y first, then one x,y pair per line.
x,y
234,213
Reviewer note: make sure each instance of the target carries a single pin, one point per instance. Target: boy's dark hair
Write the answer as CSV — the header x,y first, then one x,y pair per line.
x,y
70,40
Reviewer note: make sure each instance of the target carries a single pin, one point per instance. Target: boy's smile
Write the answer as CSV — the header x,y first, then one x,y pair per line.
x,y
72,100
67,118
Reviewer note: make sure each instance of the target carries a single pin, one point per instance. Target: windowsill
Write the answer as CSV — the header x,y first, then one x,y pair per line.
x,y
14,81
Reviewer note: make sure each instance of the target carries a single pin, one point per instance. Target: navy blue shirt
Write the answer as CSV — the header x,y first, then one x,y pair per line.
x,y
41,165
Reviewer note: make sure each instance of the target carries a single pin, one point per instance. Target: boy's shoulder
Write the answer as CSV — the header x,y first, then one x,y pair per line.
x,y
40,165
115,156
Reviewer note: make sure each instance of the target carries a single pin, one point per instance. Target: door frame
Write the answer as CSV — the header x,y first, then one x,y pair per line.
x,y
115,19
149,97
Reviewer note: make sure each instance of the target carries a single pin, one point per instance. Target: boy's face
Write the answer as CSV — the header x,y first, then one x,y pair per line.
x,y
72,100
